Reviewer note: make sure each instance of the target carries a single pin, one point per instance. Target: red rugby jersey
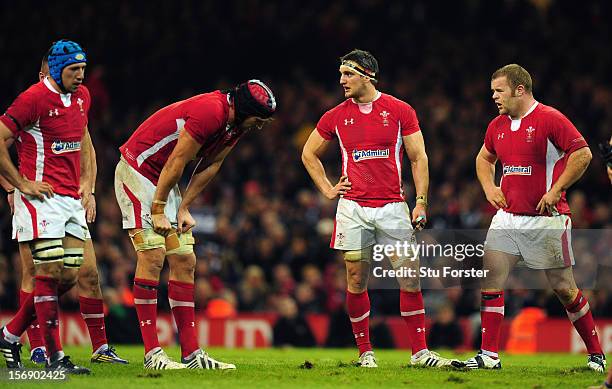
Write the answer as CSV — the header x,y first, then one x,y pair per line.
x,y
533,152
370,138
49,129
203,116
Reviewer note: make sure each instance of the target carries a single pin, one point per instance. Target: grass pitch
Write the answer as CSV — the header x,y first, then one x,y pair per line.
x,y
324,368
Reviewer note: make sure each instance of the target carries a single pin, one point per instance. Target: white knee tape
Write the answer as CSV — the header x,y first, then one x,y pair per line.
x,y
74,257
47,251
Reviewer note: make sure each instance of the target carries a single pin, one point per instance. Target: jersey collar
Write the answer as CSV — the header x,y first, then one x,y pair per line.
x,y
49,86
65,97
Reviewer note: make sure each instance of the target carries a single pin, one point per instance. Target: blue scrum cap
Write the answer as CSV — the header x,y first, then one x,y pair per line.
x,y
61,54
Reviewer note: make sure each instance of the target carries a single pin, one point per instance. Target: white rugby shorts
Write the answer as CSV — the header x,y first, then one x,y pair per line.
x,y
135,193
542,242
358,227
50,218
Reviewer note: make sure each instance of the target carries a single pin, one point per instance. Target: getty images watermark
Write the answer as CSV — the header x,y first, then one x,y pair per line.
x,y
403,256
448,258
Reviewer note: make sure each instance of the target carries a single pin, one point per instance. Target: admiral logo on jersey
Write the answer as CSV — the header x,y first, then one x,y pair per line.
x,y
360,155
511,170
60,147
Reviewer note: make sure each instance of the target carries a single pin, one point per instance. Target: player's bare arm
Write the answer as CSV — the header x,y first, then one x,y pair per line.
x,y
202,175
10,172
577,163
485,170
415,149
10,189
89,172
185,151
311,157
10,193
85,178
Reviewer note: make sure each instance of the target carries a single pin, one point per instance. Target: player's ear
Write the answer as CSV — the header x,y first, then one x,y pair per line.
x,y
520,90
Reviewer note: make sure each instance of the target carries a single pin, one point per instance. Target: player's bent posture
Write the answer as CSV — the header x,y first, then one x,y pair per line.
x,y
373,129
50,119
542,154
90,295
158,219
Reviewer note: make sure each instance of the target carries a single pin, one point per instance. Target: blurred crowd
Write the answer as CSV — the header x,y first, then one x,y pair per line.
x,y
263,229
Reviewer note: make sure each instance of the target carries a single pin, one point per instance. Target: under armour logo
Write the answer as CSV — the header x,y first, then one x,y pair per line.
x,y
421,329
483,330
53,112
193,324
348,121
594,333
359,335
143,322
500,136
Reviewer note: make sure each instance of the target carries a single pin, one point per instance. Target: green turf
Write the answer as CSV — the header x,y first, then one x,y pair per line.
x,y
278,368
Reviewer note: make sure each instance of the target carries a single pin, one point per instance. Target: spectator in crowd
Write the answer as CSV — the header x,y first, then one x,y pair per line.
x,y
291,328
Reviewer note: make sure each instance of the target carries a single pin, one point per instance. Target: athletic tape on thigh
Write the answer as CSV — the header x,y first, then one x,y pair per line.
x,y
364,254
186,241
147,239
73,257
47,251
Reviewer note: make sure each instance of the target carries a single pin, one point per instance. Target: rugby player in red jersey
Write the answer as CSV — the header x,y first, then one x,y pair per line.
x,y
157,217
50,121
373,130
542,154
90,294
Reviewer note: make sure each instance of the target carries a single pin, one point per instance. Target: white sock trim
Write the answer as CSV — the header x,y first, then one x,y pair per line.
x,y
42,299
92,315
573,316
360,318
145,301
499,310
178,303
10,337
412,313
490,354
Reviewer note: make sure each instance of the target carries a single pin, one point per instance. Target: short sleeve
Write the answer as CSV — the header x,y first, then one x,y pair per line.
x,y
565,135
408,119
87,104
488,141
202,125
326,127
21,113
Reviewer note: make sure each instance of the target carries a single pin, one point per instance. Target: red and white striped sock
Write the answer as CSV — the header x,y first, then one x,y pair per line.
x,y
412,311
579,313
21,321
180,295
358,308
33,329
491,317
47,312
92,311
145,300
